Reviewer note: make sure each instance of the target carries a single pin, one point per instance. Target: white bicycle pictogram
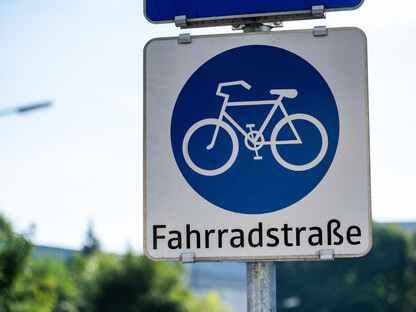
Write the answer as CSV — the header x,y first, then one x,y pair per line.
x,y
254,139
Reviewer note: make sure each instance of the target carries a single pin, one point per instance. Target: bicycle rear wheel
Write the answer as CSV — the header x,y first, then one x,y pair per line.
x,y
206,124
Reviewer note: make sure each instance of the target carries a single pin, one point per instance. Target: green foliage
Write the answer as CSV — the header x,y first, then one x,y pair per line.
x,y
129,284
134,283
378,282
91,281
14,252
382,281
210,303
46,285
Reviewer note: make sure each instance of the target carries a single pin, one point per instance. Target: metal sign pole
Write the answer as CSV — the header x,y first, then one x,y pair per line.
x,y
261,276
261,287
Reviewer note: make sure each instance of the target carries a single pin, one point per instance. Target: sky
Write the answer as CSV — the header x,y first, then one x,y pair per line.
x,y
80,160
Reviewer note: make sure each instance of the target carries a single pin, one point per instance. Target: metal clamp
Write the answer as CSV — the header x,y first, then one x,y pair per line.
x,y
318,11
320,31
326,254
257,27
188,257
184,38
180,21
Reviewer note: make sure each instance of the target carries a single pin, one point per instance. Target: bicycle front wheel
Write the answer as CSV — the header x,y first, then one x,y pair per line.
x,y
208,126
275,143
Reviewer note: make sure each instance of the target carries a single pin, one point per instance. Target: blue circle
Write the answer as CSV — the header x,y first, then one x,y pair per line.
x,y
255,181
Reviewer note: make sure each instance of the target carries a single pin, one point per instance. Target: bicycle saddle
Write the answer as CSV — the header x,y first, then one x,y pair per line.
x,y
289,93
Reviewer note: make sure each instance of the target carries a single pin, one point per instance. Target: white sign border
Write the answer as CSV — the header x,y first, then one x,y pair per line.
x,y
315,256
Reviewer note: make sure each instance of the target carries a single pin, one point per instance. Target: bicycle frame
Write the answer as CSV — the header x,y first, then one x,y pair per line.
x,y
276,103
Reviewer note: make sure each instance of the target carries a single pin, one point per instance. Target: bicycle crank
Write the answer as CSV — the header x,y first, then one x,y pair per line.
x,y
254,140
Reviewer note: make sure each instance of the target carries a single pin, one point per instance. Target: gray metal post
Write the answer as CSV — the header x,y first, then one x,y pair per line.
x,y
257,28
261,287
261,276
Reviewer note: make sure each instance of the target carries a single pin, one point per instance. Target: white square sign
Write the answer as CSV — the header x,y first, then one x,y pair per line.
x,y
257,147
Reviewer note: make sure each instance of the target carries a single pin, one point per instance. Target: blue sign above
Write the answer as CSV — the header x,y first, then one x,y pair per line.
x,y
255,135
159,11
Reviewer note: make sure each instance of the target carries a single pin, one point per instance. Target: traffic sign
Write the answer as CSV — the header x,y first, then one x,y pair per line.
x,y
195,13
256,147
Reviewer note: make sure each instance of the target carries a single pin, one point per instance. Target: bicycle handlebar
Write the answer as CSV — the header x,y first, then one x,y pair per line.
x,y
231,83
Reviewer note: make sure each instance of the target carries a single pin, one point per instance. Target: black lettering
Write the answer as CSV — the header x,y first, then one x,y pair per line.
x,y
286,229
239,237
207,234
292,236
155,236
334,231
188,237
220,235
258,230
177,239
318,235
273,237
298,231
356,234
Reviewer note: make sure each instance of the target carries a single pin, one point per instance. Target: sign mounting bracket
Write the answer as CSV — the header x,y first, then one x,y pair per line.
x,y
184,38
181,21
188,257
326,254
320,31
318,11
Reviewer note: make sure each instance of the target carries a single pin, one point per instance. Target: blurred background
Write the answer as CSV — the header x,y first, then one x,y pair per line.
x,y
75,165
81,158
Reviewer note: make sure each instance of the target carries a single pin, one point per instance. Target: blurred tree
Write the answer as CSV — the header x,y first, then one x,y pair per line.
x,y
46,286
92,281
92,244
382,281
411,273
14,251
379,281
134,283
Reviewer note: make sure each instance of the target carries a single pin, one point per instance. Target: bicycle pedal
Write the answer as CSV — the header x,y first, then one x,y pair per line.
x,y
258,157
